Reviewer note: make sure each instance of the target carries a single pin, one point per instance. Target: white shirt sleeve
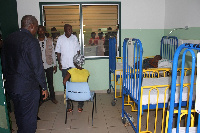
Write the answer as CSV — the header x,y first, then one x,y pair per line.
x,y
77,45
57,49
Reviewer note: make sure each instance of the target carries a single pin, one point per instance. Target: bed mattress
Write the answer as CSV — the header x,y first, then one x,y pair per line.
x,y
147,83
183,130
119,66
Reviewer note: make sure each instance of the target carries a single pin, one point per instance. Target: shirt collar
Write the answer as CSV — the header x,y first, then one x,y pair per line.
x,y
45,39
25,30
66,37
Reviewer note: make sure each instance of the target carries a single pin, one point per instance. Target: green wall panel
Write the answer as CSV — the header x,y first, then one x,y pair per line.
x,y
192,33
150,39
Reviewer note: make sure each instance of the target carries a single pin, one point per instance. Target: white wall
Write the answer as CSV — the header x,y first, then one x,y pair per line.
x,y
142,14
138,14
181,13
135,14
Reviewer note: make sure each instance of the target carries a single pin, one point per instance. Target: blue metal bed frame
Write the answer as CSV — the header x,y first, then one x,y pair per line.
x,y
188,48
112,61
112,66
167,51
138,52
136,71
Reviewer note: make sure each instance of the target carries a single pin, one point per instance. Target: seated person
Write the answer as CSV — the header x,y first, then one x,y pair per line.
x,y
77,74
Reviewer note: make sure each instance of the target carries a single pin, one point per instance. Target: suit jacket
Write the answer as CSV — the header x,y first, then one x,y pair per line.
x,y
22,64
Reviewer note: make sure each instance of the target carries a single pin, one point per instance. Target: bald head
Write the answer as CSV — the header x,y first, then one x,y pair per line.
x,y
30,23
27,20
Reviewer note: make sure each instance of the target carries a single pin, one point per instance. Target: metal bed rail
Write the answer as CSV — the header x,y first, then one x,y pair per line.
x,y
180,112
135,50
169,44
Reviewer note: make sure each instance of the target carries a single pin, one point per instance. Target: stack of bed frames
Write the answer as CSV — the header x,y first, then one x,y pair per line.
x,y
152,92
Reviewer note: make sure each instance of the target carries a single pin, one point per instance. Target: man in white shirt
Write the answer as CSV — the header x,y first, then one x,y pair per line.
x,y
67,46
49,60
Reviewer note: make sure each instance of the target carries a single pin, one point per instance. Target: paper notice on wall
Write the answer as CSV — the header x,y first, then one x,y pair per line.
x,y
130,52
197,103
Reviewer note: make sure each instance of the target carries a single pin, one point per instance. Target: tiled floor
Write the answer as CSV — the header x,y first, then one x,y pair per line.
x,y
106,120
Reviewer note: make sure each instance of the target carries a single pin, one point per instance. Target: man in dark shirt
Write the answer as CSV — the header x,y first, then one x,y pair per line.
x,y
23,71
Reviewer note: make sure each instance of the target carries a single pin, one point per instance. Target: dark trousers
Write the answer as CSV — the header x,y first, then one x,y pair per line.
x,y
49,76
69,106
64,73
26,109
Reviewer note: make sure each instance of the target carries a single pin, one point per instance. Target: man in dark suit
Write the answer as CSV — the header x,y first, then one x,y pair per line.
x,y
23,71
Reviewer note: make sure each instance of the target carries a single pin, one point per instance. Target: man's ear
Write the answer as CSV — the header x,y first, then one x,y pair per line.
x,y
31,26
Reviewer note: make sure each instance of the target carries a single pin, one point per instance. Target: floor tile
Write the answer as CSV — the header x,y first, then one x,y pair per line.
x,y
107,119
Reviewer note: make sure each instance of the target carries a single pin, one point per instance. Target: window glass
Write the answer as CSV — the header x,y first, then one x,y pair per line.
x,y
99,23
55,17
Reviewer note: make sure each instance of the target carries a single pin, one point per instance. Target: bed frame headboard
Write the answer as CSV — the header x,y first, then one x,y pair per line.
x,y
168,46
185,48
132,67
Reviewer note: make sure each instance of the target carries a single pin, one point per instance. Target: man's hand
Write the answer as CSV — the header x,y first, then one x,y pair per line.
x,y
64,81
66,78
45,93
60,67
58,57
55,69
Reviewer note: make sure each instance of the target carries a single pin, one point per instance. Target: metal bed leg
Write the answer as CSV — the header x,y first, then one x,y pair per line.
x,y
113,103
109,90
198,126
93,109
66,113
94,106
95,102
72,105
92,112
